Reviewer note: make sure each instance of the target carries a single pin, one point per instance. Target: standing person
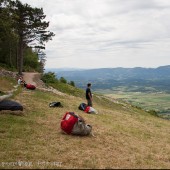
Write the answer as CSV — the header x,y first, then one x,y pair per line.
x,y
89,95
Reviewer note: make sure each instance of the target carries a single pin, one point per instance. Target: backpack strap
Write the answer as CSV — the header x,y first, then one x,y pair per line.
x,y
73,114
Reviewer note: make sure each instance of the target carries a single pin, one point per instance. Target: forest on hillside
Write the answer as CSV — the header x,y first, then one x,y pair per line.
x,y
23,34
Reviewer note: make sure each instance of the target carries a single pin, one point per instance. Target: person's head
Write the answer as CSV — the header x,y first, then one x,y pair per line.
x,y
89,85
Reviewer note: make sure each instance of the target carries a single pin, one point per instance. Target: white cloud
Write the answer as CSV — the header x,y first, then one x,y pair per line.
x,y
107,33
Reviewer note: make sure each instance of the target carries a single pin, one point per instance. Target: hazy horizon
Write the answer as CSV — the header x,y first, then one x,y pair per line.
x,y
74,68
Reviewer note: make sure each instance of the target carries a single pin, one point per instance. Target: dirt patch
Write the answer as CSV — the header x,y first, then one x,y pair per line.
x,y
35,79
30,78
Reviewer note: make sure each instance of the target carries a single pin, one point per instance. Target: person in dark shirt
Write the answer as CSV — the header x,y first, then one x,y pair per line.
x,y
89,95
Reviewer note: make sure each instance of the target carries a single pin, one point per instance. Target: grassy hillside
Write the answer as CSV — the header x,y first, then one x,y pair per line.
x,y
124,137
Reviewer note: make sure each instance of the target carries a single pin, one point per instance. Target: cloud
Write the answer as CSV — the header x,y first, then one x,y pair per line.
x,y
107,33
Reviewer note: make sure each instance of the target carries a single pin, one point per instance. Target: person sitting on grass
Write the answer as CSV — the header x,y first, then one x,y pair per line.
x,y
21,81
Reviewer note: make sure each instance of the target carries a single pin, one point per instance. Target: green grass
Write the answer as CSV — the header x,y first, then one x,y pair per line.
x,y
68,89
6,84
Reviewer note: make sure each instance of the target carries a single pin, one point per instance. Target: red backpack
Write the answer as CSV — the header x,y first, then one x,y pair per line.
x,y
87,109
68,122
30,86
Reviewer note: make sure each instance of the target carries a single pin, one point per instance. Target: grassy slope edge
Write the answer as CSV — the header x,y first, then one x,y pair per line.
x,y
124,137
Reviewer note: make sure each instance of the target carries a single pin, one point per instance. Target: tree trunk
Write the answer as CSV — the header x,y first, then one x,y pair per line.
x,y
10,55
20,56
16,56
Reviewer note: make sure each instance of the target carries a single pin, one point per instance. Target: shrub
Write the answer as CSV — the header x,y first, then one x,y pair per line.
x,y
49,77
63,80
153,112
72,83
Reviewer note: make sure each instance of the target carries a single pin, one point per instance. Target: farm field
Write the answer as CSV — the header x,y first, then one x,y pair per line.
x,y
160,102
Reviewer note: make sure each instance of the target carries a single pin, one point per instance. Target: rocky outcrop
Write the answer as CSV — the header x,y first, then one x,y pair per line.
x,y
5,73
5,96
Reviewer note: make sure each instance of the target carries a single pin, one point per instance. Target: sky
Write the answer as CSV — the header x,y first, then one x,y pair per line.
x,y
107,33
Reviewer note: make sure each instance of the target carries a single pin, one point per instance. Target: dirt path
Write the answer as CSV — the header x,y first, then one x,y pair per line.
x,y
35,79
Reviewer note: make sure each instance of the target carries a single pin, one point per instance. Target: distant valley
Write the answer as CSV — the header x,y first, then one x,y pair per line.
x,y
148,88
136,79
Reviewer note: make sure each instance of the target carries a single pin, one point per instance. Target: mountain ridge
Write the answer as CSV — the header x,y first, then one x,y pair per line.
x,y
118,72
111,77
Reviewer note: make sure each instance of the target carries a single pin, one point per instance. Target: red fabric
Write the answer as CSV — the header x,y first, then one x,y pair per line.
x,y
87,109
30,86
68,122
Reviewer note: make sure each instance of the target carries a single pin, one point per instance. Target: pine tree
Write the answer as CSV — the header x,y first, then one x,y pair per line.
x,y
30,27
8,38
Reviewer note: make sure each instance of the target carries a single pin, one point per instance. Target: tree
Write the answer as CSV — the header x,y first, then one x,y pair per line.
x,y
42,60
8,38
63,80
49,77
72,83
31,60
41,57
30,27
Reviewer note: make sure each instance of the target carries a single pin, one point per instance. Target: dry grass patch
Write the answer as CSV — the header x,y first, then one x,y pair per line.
x,y
6,84
123,138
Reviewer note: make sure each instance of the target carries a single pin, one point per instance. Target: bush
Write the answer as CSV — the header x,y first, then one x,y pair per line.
x,y
72,83
63,80
49,77
153,112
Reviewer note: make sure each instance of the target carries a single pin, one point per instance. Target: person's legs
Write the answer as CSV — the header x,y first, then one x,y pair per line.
x,y
89,103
